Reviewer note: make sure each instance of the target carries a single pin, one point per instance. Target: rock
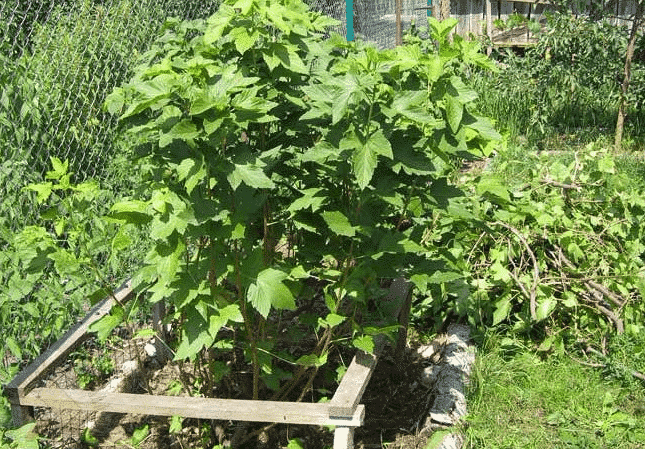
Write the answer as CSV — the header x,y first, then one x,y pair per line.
x,y
150,349
429,375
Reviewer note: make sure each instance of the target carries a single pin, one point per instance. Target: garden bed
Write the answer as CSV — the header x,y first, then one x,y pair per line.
x,y
50,390
132,403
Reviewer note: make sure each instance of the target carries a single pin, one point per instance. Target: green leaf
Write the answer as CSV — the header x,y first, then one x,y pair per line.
x,y
269,290
544,308
88,438
43,191
312,360
176,422
458,89
59,168
502,309
310,199
144,333
606,164
13,347
218,23
364,160
131,211
436,440
295,443
23,437
339,224
331,320
250,174
244,40
193,171
365,343
108,323
140,434
454,112
493,186
195,335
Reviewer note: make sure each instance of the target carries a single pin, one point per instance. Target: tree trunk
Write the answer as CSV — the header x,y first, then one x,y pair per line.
x,y
620,122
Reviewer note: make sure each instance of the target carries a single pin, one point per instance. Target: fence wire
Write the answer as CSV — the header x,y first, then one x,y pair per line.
x,y
60,58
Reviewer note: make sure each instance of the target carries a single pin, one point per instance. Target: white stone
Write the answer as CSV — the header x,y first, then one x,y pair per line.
x,y
150,349
429,376
129,366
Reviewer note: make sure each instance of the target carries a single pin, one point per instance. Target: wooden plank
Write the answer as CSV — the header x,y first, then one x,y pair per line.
x,y
49,359
476,17
21,415
192,407
352,386
344,438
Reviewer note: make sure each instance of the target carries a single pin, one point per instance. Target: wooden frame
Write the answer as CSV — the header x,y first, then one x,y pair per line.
x,y
343,411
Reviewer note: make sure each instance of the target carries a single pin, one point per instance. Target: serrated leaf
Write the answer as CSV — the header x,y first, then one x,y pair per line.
x,y
192,171
365,156
365,343
195,335
310,199
268,290
606,164
43,190
339,224
104,326
251,175
332,320
244,40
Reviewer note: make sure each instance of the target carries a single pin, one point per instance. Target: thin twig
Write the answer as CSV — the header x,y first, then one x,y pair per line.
x,y
536,270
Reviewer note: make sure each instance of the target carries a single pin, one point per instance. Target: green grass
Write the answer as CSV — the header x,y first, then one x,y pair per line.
x,y
519,400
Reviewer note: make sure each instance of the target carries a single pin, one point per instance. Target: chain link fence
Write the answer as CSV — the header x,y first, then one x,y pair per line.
x,y
60,58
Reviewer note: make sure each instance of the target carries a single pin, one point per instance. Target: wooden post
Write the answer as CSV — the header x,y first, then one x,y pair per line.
x,y
344,438
489,27
161,339
404,319
399,30
21,415
343,411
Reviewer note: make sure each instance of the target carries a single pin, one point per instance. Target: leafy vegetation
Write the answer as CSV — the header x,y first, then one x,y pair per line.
x,y
568,82
263,140
276,166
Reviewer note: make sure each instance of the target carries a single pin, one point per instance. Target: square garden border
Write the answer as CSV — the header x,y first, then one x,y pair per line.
x,y
344,411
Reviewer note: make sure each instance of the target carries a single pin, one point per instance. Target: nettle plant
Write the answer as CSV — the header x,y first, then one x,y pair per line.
x,y
285,165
